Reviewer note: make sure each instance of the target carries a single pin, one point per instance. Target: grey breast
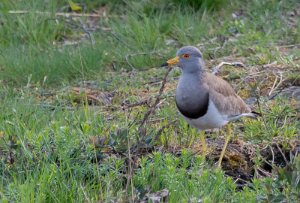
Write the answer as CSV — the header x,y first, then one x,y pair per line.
x,y
192,98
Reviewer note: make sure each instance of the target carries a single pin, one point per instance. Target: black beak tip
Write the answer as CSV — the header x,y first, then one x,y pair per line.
x,y
164,64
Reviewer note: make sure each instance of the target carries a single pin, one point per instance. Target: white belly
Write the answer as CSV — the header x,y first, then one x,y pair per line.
x,y
212,119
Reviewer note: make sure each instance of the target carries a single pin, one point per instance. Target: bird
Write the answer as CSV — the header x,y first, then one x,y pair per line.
x,y
205,100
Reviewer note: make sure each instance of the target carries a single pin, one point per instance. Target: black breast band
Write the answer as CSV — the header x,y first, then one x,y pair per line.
x,y
195,112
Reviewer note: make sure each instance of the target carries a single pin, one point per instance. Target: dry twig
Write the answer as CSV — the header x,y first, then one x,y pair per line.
x,y
130,172
282,154
273,155
264,172
216,69
289,46
153,107
88,32
56,14
274,86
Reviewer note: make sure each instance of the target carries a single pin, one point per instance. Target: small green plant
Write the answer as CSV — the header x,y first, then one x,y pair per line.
x,y
55,146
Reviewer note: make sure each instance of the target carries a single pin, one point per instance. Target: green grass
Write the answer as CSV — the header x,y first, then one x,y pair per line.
x,y
34,64
55,147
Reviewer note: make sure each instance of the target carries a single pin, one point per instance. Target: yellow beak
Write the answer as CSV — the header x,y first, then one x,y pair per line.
x,y
173,61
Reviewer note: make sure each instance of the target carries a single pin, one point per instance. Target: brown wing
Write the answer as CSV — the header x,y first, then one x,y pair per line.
x,y
224,96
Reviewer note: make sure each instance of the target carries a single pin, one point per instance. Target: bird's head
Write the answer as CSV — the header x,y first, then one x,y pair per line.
x,y
188,58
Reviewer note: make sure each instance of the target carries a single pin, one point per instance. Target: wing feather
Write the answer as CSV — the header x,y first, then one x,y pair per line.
x,y
224,96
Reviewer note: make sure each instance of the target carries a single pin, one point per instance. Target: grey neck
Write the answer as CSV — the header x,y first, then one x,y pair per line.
x,y
192,97
189,84
195,67
191,79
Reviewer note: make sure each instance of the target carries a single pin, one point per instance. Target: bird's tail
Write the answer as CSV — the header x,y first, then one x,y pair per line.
x,y
253,114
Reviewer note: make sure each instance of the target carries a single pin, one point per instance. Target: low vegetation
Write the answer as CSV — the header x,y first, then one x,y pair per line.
x,y
88,114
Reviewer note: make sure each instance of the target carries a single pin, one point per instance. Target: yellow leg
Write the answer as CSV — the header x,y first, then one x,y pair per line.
x,y
203,142
228,136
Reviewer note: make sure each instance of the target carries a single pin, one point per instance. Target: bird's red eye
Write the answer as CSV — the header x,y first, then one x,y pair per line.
x,y
186,56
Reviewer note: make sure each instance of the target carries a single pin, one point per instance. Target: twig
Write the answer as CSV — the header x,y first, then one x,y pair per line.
x,y
264,172
282,154
269,65
216,69
129,159
56,14
88,32
289,46
273,155
131,66
153,107
274,87
276,94
130,168
242,180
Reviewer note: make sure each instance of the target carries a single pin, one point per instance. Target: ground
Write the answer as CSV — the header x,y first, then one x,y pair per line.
x,y
88,114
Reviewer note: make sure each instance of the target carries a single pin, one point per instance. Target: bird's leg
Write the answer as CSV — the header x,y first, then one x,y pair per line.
x,y
203,142
227,138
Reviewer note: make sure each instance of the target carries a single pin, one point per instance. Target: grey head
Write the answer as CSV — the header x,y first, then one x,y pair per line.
x,y
190,59
192,98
